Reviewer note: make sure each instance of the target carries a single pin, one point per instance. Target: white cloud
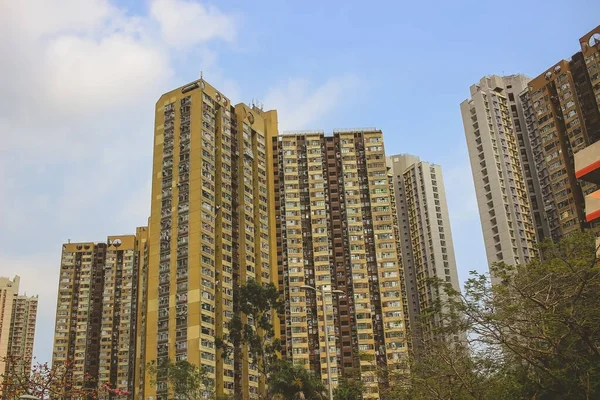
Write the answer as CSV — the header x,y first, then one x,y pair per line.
x,y
75,60
186,23
111,72
33,19
299,105
80,81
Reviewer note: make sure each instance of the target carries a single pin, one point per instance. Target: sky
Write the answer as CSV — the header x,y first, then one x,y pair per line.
x,y
79,80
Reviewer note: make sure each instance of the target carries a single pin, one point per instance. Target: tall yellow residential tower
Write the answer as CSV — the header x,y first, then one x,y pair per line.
x,y
208,232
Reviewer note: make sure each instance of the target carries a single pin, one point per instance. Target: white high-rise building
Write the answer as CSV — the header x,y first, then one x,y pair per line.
x,y
492,123
425,237
17,328
8,292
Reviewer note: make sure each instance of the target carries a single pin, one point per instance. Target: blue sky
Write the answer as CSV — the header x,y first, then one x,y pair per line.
x,y
80,78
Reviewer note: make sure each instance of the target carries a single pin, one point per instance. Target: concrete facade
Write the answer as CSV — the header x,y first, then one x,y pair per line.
x,y
335,214
96,312
22,333
208,233
8,291
17,326
500,184
425,235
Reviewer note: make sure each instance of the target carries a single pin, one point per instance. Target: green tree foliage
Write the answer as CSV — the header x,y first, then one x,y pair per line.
x,y
294,382
186,381
443,370
254,306
251,325
349,389
534,335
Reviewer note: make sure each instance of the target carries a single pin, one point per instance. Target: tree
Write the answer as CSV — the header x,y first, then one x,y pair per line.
x,y
251,325
44,382
186,381
533,335
349,389
294,382
442,370
543,320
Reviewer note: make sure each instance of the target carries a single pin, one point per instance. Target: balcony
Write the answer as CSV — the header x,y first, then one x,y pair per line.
x,y
587,168
592,206
587,164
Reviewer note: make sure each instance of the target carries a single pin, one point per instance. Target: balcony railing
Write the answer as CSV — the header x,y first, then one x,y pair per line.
x,y
587,164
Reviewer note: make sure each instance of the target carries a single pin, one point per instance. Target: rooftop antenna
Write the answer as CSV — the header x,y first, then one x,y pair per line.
x,y
201,73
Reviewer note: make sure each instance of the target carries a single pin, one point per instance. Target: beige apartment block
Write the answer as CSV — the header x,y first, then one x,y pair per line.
x,y
8,291
562,118
425,239
79,309
22,332
559,120
96,312
335,232
590,49
556,115
551,118
119,311
500,185
17,327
